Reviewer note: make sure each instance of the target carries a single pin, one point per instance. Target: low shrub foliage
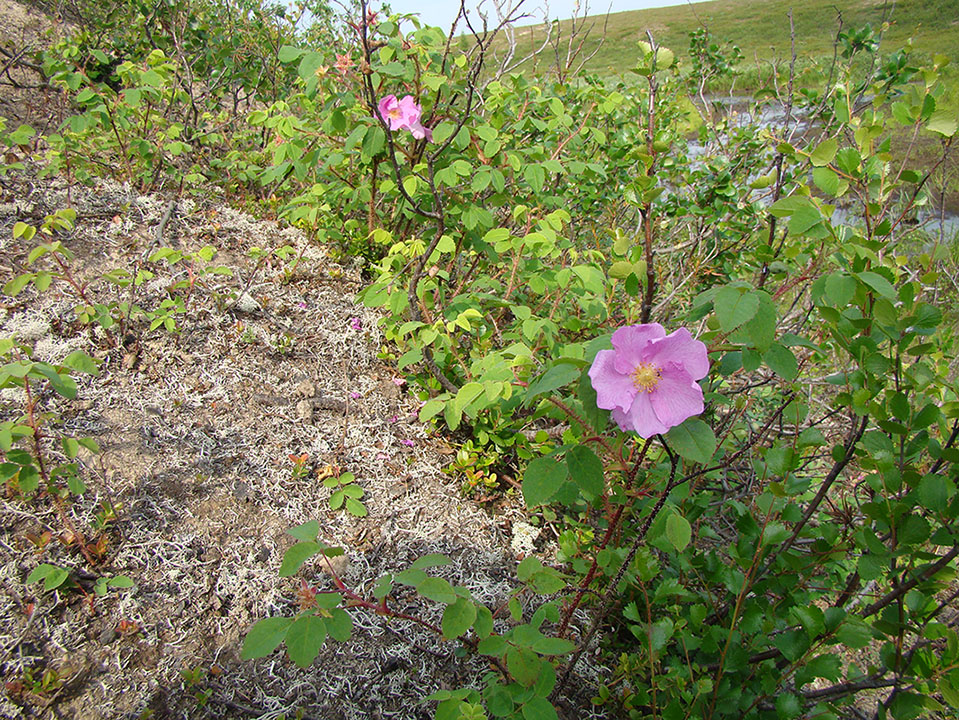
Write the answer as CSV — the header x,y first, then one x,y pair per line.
x,y
760,522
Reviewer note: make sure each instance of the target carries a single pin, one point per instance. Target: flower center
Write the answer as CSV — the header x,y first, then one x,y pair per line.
x,y
645,377
395,113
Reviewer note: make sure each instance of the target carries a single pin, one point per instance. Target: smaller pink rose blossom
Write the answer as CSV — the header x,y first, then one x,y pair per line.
x,y
648,380
343,64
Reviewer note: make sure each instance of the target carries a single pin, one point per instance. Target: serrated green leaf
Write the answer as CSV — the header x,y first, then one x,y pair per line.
x,y
824,152
295,556
458,618
339,625
437,590
586,470
693,440
734,306
678,531
542,480
304,638
264,637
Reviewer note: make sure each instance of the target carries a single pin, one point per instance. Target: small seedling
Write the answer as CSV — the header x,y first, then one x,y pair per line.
x,y
104,583
346,493
53,577
301,466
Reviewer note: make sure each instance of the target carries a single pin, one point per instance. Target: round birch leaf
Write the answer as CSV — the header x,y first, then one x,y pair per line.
x,y
458,618
693,440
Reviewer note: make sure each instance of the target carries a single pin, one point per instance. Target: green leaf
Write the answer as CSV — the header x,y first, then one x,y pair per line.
x,y
693,440
933,492
824,152
431,560
792,644
304,638
552,646
458,618
586,470
734,306
560,375
944,122
14,287
828,181
523,665
678,531
297,555
467,394
879,284
288,53
52,576
356,508
781,361
542,480
265,637
339,625
840,289
307,531
854,632
539,708
437,590
804,219
788,706
70,447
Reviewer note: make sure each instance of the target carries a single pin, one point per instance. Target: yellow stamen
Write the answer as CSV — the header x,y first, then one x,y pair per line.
x,y
645,377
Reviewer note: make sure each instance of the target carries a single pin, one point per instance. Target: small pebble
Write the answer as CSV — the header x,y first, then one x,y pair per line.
x,y
304,411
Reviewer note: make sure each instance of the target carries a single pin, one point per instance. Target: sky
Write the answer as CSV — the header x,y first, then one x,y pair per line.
x,y
442,12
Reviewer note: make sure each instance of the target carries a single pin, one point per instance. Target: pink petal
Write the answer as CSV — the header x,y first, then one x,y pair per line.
x,y
613,389
631,343
641,417
385,105
677,396
409,111
420,132
679,347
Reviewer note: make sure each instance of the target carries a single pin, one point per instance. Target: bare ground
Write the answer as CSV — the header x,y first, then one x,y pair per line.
x,y
196,430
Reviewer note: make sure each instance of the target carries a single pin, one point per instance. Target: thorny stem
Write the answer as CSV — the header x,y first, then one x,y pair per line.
x,y
575,416
611,592
381,608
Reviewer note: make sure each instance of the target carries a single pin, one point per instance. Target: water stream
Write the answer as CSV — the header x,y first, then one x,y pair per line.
x,y
741,111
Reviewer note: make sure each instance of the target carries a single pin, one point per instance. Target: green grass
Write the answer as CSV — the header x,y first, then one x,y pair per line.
x,y
761,28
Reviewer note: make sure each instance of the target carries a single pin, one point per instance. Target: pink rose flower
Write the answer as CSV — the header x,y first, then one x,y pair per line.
x,y
404,115
648,380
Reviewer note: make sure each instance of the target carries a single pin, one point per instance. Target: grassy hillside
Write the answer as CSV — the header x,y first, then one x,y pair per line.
x,y
761,27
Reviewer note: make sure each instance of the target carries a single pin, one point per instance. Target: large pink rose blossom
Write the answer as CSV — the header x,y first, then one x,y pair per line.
x,y
403,115
648,380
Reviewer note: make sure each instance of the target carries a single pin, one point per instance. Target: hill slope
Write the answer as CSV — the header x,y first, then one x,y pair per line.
x,y
761,27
